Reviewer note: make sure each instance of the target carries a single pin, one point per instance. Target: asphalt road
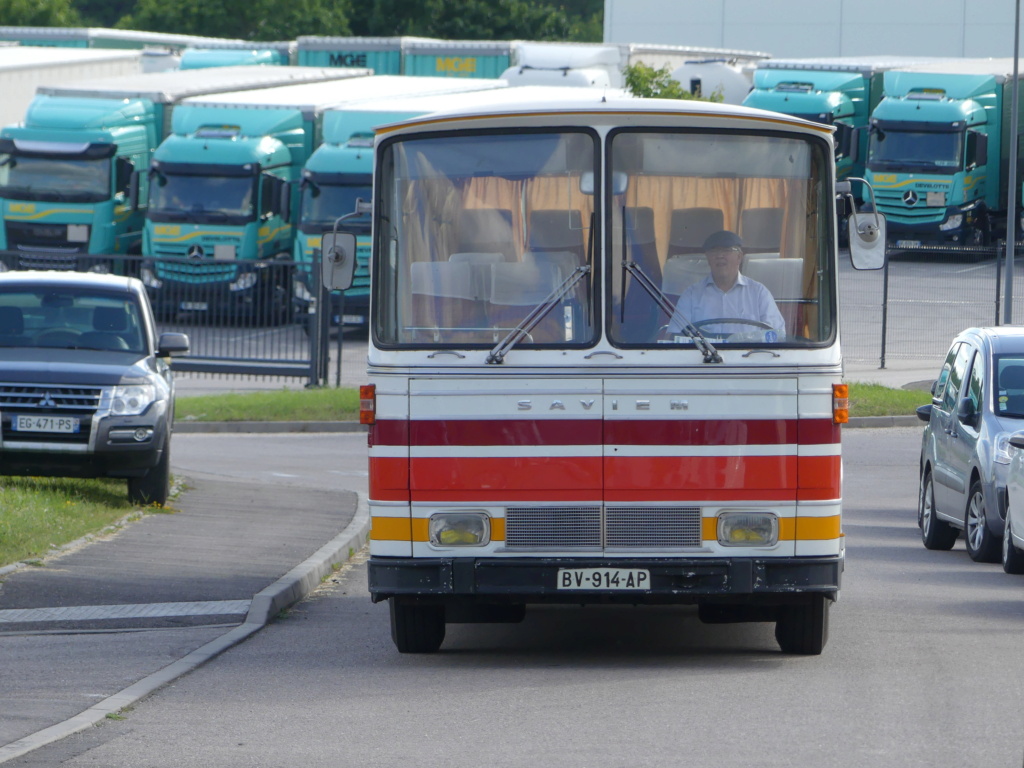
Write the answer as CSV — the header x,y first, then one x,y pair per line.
x,y
923,669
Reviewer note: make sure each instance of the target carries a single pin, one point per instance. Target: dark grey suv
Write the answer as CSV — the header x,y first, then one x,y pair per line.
x,y
977,403
85,384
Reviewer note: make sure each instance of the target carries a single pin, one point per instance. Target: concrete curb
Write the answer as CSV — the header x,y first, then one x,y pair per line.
x,y
285,592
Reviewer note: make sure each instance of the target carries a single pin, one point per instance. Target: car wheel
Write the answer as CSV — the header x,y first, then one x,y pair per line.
x,y
803,629
1013,558
416,628
155,486
982,545
935,533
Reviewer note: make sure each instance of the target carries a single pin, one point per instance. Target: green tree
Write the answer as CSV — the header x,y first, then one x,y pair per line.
x,y
464,19
102,13
241,19
39,13
648,82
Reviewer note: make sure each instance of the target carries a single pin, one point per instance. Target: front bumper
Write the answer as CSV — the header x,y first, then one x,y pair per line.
x,y
673,580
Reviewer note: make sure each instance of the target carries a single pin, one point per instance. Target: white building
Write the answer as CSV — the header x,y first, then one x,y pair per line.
x,y
805,28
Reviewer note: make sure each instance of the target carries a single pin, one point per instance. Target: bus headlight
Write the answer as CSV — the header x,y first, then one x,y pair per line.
x,y
748,529
459,529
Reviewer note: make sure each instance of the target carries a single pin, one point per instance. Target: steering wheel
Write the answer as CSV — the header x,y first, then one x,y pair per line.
x,y
732,321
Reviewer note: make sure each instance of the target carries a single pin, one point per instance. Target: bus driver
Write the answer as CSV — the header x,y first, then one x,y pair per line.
x,y
727,295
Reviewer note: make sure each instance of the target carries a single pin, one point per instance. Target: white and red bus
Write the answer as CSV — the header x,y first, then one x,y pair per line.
x,y
538,433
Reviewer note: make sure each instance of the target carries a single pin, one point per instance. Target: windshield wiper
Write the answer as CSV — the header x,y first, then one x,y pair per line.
x,y
497,355
710,353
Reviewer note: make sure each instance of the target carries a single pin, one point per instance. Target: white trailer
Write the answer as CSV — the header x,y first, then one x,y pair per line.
x,y
23,69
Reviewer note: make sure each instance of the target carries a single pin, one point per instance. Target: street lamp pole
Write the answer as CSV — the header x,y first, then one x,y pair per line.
x,y
1011,192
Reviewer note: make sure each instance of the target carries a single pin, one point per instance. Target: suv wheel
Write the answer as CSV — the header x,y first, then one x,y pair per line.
x,y
982,545
935,533
155,486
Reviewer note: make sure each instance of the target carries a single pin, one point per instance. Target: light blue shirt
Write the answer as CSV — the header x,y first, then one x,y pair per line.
x,y
747,299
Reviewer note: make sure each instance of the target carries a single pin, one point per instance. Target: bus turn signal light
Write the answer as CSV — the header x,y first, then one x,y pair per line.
x,y
840,403
368,404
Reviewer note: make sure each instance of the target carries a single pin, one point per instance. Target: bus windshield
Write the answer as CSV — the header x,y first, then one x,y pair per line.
x,y
479,233
731,229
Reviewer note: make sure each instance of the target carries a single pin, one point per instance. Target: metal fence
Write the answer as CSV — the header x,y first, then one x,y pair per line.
x,y
913,307
241,318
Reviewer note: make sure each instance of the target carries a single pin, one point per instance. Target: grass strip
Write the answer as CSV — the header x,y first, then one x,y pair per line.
x,y
272,405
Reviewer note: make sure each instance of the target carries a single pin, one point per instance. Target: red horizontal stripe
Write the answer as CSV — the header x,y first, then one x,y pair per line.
x,y
507,432
575,473
540,432
701,473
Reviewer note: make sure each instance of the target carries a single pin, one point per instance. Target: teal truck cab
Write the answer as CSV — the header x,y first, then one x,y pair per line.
x,y
220,232
940,150
340,172
72,174
840,91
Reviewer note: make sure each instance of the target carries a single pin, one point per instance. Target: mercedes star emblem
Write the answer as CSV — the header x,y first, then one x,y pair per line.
x,y
910,197
195,252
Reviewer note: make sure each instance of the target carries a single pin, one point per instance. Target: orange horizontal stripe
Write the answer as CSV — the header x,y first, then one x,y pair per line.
x,y
390,529
801,529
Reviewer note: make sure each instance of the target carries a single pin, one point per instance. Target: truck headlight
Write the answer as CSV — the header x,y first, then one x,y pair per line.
x,y
953,222
459,529
149,278
245,281
131,399
748,529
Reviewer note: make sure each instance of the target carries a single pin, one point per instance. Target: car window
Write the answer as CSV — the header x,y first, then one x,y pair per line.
x,y
976,385
947,366
956,377
1009,385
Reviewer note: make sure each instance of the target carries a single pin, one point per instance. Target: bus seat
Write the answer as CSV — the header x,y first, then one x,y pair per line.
x,y
784,279
516,289
445,295
681,272
761,229
476,258
556,230
486,230
640,317
690,227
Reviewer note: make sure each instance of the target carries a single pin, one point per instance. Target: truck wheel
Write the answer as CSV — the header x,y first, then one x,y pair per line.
x,y
272,304
803,629
1013,558
935,533
982,545
416,628
155,486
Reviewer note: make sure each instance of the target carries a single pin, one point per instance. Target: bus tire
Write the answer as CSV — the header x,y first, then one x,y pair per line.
x,y
803,629
416,628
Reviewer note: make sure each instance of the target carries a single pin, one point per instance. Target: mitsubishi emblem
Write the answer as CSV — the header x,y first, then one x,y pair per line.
x,y
47,401
195,252
910,197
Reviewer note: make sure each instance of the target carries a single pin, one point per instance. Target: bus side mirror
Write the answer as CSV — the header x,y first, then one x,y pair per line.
x,y
338,260
867,240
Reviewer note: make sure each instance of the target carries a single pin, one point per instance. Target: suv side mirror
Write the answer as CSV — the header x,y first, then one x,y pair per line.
x,y
338,260
172,344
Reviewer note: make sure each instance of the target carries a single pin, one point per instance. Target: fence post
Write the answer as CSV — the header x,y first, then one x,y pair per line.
x,y
885,305
1000,249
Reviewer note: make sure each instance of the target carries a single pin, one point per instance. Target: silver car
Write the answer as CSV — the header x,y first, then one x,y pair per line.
x,y
977,403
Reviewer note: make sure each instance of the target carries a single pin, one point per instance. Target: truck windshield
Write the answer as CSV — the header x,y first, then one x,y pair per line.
x,y
324,202
920,151
201,199
55,178
477,232
733,231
